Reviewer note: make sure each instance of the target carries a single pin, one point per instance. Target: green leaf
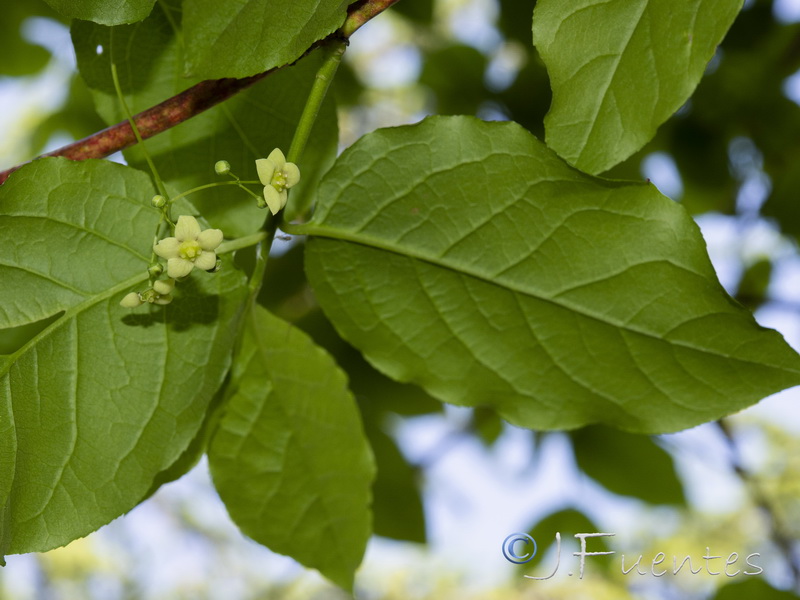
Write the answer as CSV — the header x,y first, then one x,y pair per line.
x,y
242,129
373,390
196,448
398,503
101,400
754,284
105,12
567,522
628,464
289,458
420,11
619,69
456,74
245,37
19,56
466,257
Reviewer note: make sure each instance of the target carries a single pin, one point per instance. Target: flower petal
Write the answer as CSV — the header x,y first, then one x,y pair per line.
x,y
273,199
266,169
210,239
277,158
179,267
206,260
132,300
163,286
162,300
292,174
187,228
284,195
167,248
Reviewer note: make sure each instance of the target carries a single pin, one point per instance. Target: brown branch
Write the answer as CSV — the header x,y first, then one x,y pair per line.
x,y
192,101
361,12
161,117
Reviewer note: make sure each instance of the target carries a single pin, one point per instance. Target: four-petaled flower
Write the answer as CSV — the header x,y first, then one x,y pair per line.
x,y
189,248
277,176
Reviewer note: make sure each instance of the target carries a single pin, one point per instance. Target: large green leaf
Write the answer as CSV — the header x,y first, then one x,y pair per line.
x,y
149,62
620,68
105,12
468,258
240,38
289,458
103,399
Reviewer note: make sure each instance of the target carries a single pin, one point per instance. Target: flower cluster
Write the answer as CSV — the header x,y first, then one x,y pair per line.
x,y
160,293
189,248
277,176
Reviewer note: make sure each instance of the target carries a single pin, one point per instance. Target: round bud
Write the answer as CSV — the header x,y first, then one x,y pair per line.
x,y
222,167
159,201
131,300
216,267
155,270
164,286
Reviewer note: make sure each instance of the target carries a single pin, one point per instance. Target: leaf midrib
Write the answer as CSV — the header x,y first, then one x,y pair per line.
x,y
69,314
318,230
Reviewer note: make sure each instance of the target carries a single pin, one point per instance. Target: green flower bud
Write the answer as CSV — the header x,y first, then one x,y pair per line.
x,y
159,201
155,270
164,287
132,300
222,167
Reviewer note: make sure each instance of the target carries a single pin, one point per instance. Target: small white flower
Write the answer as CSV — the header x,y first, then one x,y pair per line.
x,y
189,248
277,176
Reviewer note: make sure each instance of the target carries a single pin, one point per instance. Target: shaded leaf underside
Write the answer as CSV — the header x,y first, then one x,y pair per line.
x,y
290,459
466,257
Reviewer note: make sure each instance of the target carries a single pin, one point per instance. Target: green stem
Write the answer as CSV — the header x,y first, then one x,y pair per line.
x,y
318,91
192,101
242,242
129,116
211,185
322,82
262,254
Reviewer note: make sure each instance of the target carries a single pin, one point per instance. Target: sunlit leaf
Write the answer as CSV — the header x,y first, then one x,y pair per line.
x,y
103,399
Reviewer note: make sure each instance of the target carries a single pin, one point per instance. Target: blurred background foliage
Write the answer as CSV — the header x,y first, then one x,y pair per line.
x,y
731,155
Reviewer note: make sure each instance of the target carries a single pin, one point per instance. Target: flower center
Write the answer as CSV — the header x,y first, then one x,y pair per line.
x,y
279,181
189,250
